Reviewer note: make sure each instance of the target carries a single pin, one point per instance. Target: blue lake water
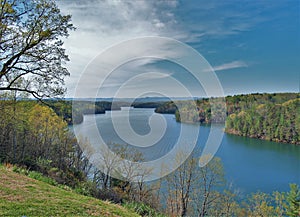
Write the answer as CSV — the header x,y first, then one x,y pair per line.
x,y
249,164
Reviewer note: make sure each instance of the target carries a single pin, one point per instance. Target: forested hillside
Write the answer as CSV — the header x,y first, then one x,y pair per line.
x,y
35,138
271,121
274,117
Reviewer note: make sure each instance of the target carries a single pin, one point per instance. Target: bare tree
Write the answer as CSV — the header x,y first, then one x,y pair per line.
x,y
211,176
192,190
180,186
107,162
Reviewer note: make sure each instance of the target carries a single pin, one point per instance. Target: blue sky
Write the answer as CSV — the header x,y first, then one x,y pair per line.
x,y
253,46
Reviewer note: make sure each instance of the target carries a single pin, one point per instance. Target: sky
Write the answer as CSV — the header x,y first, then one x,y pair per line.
x,y
251,46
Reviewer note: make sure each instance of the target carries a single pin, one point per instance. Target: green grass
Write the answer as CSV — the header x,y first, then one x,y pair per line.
x,y
143,209
24,196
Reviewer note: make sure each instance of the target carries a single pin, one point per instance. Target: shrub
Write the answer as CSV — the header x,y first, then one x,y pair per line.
x,y
41,177
142,209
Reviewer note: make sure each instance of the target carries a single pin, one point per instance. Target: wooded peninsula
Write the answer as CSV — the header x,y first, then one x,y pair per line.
x,y
272,117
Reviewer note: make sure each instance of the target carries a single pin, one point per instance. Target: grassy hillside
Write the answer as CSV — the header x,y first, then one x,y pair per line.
x,y
23,196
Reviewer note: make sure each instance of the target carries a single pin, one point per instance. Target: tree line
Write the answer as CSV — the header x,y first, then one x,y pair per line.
x,y
73,111
273,122
273,117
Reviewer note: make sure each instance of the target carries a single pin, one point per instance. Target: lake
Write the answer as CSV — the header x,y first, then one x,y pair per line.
x,y
249,164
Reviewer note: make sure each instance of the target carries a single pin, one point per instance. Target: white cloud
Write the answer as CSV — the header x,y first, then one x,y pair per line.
x,y
103,23
231,65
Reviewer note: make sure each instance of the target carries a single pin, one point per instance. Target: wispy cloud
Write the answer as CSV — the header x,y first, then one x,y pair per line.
x,y
103,23
231,65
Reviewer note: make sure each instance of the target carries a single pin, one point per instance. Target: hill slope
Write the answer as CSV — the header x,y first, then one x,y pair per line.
x,y
23,196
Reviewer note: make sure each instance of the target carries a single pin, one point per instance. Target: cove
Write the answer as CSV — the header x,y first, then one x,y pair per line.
x,y
251,165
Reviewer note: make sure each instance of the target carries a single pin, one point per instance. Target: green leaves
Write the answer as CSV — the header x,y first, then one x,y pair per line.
x,y
293,201
31,47
275,121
